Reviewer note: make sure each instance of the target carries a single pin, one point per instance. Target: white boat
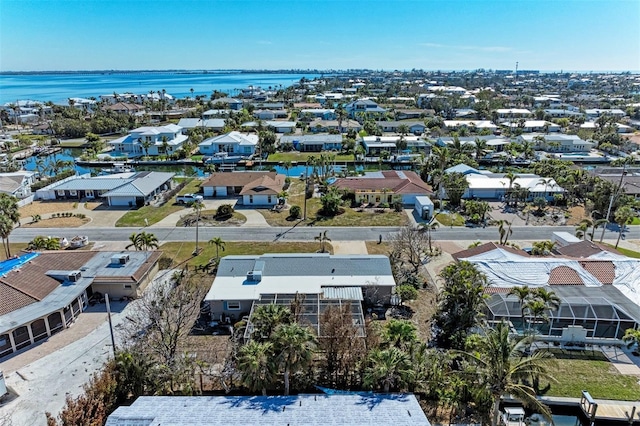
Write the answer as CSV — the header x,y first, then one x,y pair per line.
x,y
118,168
79,241
513,416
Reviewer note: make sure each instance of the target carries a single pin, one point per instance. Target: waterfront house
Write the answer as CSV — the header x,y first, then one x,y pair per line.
x,y
386,186
122,189
233,143
364,107
263,191
162,140
473,125
318,125
557,142
231,184
126,108
415,127
530,126
312,143
375,145
42,294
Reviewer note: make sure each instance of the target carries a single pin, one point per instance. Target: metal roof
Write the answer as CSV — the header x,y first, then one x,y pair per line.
x,y
312,410
344,293
142,185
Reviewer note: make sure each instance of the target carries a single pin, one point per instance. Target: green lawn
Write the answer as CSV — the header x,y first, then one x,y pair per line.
x,y
350,217
198,157
450,219
208,218
301,157
589,371
155,214
626,252
636,221
181,252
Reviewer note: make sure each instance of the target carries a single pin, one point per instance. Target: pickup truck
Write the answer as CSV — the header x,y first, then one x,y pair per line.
x,y
188,198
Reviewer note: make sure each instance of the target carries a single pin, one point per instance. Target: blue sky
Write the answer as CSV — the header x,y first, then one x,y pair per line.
x,y
588,35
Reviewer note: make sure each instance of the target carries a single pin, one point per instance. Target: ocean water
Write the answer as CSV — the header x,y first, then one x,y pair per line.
x,y
58,87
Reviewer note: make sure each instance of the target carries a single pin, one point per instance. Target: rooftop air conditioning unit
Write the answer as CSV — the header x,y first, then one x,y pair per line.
x,y
254,276
74,276
119,259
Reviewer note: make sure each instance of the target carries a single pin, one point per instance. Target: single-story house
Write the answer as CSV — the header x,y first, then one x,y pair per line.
x,y
216,124
244,281
386,187
270,114
232,103
505,114
263,191
122,189
322,113
126,108
163,140
374,145
470,124
18,183
231,184
494,186
594,113
620,128
558,142
356,409
598,291
317,126
530,126
43,293
276,126
313,143
415,127
232,143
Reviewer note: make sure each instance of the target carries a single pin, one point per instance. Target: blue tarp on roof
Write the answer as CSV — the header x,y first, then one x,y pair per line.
x,y
11,264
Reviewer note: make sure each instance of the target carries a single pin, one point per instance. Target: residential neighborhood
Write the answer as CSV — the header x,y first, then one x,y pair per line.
x,y
371,241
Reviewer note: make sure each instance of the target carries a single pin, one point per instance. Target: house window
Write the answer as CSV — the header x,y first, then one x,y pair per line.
x,y
73,193
269,199
89,193
61,193
250,199
232,306
127,287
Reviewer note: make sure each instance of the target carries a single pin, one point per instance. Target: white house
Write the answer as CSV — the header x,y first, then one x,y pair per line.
x,y
312,143
374,145
232,143
594,113
163,140
18,183
364,106
216,124
505,114
530,126
470,124
557,142
414,127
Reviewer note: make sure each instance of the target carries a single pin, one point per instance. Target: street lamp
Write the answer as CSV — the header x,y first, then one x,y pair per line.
x,y
306,182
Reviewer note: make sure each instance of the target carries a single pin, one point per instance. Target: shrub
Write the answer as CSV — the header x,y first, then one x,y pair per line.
x,y
165,262
384,205
295,212
225,210
397,206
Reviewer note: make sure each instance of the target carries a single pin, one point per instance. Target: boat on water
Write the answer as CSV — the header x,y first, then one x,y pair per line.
x,y
119,168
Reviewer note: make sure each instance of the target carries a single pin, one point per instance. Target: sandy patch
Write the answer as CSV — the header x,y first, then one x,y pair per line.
x,y
43,207
577,214
59,222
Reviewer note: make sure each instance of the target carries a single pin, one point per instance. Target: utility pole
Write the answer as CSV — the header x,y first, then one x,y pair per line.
x,y
113,340
613,196
306,182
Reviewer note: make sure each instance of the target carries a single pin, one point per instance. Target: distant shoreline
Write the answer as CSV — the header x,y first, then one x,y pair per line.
x,y
176,71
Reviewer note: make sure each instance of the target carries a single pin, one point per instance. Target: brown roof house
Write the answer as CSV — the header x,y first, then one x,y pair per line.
x,y
256,188
386,187
43,293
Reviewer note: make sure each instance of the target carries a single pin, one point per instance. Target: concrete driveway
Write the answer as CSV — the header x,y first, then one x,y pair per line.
x,y
103,216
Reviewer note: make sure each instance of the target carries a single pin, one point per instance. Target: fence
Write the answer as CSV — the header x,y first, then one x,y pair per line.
x,y
25,201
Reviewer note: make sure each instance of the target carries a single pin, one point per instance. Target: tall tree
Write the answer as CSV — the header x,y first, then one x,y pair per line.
x,y
219,243
460,303
455,184
388,368
256,365
623,217
502,368
294,349
8,219
323,239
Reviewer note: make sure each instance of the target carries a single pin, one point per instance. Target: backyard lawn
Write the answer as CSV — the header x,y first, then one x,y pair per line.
x,y
155,214
181,252
589,371
301,157
350,217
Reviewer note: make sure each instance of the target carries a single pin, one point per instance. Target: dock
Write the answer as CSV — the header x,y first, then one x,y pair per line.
x,y
599,411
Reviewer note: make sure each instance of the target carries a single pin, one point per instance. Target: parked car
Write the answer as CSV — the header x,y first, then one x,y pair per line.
x,y
188,198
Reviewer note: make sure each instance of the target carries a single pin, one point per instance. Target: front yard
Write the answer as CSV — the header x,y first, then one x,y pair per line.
x,y
155,214
350,217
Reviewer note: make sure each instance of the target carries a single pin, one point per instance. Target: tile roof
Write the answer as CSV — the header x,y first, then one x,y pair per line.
x,y
603,270
485,248
564,275
235,178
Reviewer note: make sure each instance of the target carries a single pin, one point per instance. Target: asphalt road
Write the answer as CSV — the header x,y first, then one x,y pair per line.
x,y
304,233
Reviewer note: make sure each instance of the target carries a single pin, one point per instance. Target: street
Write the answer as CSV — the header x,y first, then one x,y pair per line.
x,y
307,233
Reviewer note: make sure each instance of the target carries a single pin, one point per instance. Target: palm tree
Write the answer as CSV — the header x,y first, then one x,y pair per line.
x,y
428,228
322,237
502,368
266,318
523,294
146,144
511,177
623,216
255,362
219,243
389,368
545,182
481,148
9,217
135,241
550,298
399,333
143,241
294,348
505,233
287,165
